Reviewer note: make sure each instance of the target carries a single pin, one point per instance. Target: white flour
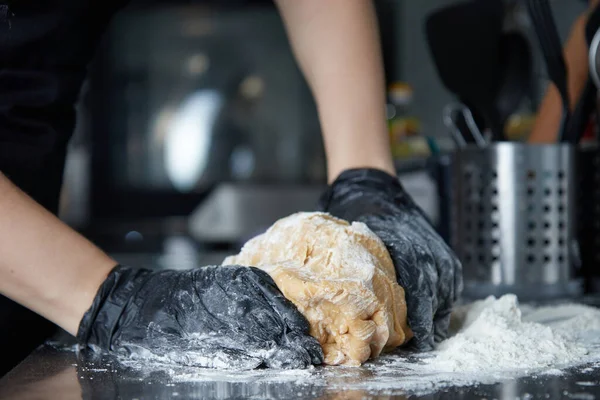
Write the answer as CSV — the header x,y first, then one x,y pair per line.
x,y
494,339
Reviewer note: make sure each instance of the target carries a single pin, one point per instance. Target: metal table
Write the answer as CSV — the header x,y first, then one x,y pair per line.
x,y
50,373
53,372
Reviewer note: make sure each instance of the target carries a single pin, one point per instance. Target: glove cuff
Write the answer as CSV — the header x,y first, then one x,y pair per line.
x,y
369,174
99,323
369,177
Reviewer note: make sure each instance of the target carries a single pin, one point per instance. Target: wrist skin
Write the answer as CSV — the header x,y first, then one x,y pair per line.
x,y
46,266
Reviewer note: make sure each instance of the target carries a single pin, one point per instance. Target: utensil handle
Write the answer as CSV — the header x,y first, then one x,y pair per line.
x,y
468,116
592,59
448,118
474,130
581,115
547,33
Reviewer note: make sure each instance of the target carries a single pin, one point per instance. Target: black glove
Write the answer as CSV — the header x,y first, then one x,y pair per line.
x,y
426,268
216,316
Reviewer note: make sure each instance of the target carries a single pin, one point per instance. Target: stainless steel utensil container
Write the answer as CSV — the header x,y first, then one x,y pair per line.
x,y
513,220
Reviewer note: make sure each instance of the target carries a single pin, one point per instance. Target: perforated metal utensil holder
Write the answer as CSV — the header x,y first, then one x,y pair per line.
x,y
513,220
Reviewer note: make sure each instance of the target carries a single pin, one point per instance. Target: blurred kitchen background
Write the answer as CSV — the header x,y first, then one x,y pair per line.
x,y
196,129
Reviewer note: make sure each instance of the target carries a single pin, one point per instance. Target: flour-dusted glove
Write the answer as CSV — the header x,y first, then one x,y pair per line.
x,y
216,316
425,266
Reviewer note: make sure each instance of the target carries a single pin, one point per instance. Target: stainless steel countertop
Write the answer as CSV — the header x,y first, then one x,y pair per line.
x,y
49,373
52,373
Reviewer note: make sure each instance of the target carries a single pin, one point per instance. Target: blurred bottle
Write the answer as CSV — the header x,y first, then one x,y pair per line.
x,y
519,126
404,128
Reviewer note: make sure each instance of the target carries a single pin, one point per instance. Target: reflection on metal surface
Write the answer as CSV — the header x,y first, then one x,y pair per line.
x,y
174,258
180,253
188,138
52,374
507,191
234,213
63,385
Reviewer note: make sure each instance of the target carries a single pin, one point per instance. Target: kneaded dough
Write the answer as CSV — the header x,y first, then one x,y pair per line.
x,y
341,278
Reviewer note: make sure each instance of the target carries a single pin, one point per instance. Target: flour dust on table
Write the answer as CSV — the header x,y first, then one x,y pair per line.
x,y
493,340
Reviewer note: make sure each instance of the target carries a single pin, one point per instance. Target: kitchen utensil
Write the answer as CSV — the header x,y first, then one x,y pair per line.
x,y
516,64
458,109
545,29
467,115
449,122
595,71
464,41
594,68
580,116
434,148
594,44
513,219
585,106
477,121
591,35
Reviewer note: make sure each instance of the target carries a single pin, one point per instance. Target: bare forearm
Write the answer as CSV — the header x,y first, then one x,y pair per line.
x,y
336,43
45,265
548,118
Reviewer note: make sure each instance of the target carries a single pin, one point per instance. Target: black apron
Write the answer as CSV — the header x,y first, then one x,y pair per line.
x,y
45,47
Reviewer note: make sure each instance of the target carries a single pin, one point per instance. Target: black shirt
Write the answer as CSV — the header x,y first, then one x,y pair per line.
x,y
45,47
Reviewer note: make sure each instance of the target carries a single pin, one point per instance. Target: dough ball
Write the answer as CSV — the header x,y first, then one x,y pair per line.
x,y
341,278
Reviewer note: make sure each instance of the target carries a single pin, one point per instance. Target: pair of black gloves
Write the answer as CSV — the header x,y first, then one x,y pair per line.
x,y
235,317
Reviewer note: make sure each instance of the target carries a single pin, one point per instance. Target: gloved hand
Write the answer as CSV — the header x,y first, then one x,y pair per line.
x,y
217,316
425,266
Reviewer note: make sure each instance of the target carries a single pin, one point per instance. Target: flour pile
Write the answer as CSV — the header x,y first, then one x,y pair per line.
x,y
495,336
